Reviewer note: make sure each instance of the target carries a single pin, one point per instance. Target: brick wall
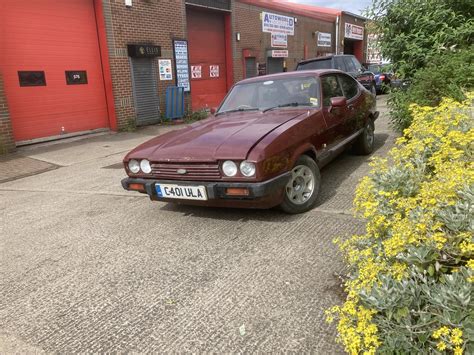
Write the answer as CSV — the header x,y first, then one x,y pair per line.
x,y
7,144
347,18
147,21
246,20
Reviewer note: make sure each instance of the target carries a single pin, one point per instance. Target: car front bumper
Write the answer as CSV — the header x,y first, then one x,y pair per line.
x,y
263,194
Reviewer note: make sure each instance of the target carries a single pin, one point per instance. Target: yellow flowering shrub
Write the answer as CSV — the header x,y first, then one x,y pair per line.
x,y
412,272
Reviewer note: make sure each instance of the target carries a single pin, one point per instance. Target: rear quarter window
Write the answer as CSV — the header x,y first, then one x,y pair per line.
x,y
349,86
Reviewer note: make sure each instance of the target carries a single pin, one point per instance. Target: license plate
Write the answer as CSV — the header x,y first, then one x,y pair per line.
x,y
181,192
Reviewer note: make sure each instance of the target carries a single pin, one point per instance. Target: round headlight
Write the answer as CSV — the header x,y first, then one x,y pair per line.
x,y
247,168
145,166
229,168
134,166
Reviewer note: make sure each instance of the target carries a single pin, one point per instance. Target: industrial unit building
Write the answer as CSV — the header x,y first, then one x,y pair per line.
x,y
71,67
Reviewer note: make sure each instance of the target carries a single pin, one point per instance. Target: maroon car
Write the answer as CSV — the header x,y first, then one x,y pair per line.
x,y
263,147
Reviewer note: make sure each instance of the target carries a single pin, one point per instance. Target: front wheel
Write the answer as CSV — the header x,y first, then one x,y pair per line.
x,y
303,187
365,142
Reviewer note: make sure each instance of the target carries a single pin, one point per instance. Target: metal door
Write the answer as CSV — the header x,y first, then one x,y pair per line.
x,y
275,65
145,91
250,67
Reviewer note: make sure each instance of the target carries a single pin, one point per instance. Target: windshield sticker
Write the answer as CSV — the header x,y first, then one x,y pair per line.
x,y
269,82
313,101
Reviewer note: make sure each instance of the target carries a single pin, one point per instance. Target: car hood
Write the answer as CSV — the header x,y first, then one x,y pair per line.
x,y
228,136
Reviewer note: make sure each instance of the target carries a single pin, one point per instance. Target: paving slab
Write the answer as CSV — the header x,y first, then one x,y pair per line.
x,y
88,267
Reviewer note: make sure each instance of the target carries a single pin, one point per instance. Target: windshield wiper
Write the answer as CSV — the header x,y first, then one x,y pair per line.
x,y
290,104
237,110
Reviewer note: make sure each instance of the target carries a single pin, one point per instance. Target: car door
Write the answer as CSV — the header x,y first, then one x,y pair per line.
x,y
354,118
334,116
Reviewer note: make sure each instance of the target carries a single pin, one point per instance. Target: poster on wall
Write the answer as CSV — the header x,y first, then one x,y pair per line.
x,y
180,48
196,71
166,72
354,31
262,69
279,40
274,23
214,71
324,39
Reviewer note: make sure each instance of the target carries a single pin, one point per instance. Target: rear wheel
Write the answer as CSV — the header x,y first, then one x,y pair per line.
x,y
365,142
303,187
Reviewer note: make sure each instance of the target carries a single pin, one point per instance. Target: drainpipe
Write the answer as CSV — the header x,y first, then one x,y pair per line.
x,y
337,35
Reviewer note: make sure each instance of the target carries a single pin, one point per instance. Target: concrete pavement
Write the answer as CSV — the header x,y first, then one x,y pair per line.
x,y
87,266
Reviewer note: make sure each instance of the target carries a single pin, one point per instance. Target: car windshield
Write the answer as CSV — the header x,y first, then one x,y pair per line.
x,y
273,93
316,64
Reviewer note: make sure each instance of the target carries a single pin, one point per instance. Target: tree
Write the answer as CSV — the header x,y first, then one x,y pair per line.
x,y
412,32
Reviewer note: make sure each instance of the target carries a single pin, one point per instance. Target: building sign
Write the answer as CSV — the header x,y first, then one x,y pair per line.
x,y
143,51
279,53
196,72
214,71
181,61
76,77
324,39
354,31
275,23
164,66
279,40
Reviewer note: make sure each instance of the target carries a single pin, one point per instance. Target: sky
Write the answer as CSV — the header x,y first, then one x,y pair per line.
x,y
354,6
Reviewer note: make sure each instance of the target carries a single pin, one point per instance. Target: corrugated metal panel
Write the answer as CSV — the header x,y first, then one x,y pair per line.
x,y
250,67
216,4
206,36
275,65
52,36
145,91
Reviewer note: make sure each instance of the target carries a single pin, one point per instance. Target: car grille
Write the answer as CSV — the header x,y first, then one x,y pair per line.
x,y
194,171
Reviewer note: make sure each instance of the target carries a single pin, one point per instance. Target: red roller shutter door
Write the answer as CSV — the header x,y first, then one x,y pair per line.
x,y
53,36
206,42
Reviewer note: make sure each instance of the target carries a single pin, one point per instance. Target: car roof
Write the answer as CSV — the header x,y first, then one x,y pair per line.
x,y
292,74
325,58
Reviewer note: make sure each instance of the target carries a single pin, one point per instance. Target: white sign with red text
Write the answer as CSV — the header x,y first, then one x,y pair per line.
x,y
279,53
214,71
196,72
354,31
279,40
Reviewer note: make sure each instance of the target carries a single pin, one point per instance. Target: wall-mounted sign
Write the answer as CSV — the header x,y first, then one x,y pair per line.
x,y
262,69
275,23
279,53
32,78
143,51
196,71
181,61
76,77
279,40
324,39
214,71
166,72
354,31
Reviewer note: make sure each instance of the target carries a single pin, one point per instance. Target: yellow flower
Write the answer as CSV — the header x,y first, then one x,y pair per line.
x,y
441,345
456,336
458,350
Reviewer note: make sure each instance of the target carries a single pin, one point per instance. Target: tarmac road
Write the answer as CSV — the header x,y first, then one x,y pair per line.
x,y
88,267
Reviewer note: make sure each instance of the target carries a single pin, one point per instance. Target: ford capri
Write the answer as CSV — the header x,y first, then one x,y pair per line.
x,y
263,147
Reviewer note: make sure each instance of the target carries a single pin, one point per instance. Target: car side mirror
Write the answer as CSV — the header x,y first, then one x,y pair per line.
x,y
213,110
337,102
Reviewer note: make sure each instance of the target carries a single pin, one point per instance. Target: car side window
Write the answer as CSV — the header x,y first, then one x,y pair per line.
x,y
356,63
349,64
339,63
331,88
349,86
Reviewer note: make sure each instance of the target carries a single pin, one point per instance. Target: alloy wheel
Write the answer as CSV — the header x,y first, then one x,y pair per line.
x,y
300,188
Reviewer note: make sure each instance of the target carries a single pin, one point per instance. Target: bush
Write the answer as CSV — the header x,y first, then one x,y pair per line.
x,y
410,275
447,75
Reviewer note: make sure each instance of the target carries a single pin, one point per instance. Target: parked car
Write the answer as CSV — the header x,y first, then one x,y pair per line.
x,y
263,147
345,62
382,76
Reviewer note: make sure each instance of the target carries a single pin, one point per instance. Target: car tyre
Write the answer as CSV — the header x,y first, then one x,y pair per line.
x,y
303,187
364,144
